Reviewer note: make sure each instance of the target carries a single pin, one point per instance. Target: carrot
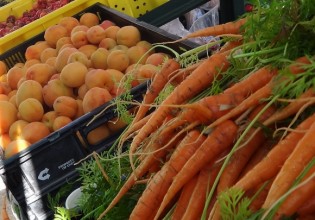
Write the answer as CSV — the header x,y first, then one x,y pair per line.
x,y
158,186
205,180
144,166
292,167
240,157
234,27
308,208
213,107
217,141
271,164
158,83
299,196
184,198
4,213
192,85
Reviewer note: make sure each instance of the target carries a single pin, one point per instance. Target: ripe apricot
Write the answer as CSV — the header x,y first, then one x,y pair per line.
x,y
53,33
98,58
3,68
69,23
34,51
34,131
49,118
31,110
128,35
118,59
63,41
79,57
112,31
48,53
65,106
73,74
63,56
98,134
29,89
53,89
88,49
8,113
89,19
94,98
95,34
40,72
79,38
15,147
15,130
137,54
107,43
60,122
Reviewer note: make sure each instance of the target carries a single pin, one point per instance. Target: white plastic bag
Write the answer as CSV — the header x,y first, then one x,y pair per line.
x,y
204,16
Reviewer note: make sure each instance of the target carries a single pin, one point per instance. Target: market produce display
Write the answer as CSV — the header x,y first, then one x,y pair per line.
x,y
40,8
230,138
65,77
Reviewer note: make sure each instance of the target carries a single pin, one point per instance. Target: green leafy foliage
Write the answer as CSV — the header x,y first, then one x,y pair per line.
x,y
233,205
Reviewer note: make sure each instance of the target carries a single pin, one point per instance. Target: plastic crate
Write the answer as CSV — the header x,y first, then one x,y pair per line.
x,y
47,165
36,27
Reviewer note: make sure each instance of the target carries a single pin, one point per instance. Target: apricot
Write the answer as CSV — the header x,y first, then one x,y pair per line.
x,y
15,130
73,74
12,93
79,38
65,106
147,46
137,54
157,59
31,110
53,33
102,78
94,98
53,89
89,19
112,31
98,134
107,43
106,23
51,61
98,58
30,63
8,114
63,41
145,72
115,125
60,122
40,72
49,118
29,89
4,97
69,23
4,141
48,53
34,51
118,59
79,28
120,47
128,35
95,34
79,57
35,131
88,49
13,100
5,88
82,91
15,147
63,56
80,111
3,68
14,75
3,78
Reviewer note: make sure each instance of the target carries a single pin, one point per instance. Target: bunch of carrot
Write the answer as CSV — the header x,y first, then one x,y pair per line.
x,y
245,151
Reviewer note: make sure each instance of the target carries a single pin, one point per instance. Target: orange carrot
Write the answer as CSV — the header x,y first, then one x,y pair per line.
x,y
158,186
158,83
308,208
292,167
299,196
192,85
271,164
240,157
144,166
234,27
217,141
184,198
259,200
205,181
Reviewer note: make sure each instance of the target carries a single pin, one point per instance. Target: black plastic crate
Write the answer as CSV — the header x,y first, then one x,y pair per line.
x,y
48,164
